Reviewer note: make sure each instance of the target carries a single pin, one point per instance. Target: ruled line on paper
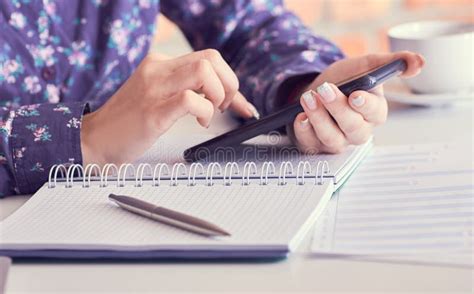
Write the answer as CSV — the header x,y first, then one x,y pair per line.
x,y
405,201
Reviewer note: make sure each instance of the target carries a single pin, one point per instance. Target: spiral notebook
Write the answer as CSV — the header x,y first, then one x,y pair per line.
x,y
268,208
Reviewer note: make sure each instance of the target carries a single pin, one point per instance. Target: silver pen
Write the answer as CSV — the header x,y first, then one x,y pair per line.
x,y
168,216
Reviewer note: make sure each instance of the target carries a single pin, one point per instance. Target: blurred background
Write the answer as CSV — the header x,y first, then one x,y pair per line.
x,y
357,26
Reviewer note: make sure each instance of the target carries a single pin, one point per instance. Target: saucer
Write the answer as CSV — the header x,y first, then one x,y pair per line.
x,y
397,91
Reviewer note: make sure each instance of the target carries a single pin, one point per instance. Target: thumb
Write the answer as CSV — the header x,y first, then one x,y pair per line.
x,y
243,108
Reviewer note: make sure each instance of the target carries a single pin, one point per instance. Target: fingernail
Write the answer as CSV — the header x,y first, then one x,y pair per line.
x,y
253,110
358,101
309,100
305,122
421,59
326,92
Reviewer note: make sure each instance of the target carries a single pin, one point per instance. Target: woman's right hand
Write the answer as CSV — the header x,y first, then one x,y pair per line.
x,y
156,95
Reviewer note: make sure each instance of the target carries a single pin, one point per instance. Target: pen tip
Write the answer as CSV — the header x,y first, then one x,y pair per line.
x,y
223,233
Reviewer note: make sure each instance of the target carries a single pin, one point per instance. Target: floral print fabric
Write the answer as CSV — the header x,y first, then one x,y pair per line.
x,y
62,59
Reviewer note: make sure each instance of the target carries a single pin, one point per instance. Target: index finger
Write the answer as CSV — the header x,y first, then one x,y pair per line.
x,y
225,73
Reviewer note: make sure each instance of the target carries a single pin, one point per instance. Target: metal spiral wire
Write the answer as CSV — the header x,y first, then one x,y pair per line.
x,y
268,167
321,169
161,171
304,168
230,166
286,167
249,167
192,172
175,173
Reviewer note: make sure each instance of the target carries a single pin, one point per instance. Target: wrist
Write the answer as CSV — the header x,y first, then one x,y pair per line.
x,y
89,144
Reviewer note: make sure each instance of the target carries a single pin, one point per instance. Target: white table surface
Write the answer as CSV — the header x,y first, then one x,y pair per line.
x,y
298,273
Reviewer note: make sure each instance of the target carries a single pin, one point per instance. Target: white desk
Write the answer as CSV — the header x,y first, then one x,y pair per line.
x,y
297,273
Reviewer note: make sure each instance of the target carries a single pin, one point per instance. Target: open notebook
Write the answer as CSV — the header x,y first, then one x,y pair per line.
x,y
268,209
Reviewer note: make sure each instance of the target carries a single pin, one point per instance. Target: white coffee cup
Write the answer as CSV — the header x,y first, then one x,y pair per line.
x,y
447,47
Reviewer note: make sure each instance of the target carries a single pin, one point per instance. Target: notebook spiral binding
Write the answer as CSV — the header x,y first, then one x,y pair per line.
x,y
162,171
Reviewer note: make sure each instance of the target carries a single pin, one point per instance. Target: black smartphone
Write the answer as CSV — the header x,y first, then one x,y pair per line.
x,y
364,81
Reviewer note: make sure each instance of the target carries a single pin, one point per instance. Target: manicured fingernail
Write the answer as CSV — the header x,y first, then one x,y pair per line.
x,y
305,122
253,110
309,100
421,59
326,92
358,101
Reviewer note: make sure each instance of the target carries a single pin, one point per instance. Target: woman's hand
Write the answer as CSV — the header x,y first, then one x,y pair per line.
x,y
331,120
157,94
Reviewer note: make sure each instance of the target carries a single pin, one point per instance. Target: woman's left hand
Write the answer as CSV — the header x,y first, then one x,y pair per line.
x,y
330,120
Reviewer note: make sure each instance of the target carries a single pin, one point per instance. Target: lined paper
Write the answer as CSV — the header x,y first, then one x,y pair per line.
x,y
404,203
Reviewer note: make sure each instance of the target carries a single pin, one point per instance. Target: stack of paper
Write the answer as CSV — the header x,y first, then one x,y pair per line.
x,y
405,203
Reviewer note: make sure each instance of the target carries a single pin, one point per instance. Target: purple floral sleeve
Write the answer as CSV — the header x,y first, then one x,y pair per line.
x,y
57,59
33,140
263,42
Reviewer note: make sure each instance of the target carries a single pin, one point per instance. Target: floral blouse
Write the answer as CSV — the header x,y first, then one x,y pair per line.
x,y
62,59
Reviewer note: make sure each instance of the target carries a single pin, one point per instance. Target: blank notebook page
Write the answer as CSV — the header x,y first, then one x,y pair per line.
x,y
84,218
